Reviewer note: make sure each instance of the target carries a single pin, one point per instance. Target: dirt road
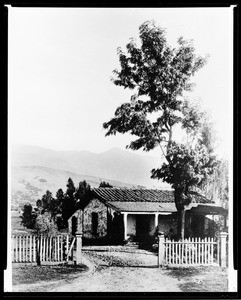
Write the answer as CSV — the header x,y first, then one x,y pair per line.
x,y
121,271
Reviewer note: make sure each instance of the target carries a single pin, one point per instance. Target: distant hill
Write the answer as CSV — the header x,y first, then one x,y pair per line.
x,y
35,170
115,164
28,184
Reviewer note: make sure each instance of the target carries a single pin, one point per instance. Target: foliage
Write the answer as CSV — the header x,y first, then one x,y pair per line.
x,y
104,184
52,213
28,216
69,203
215,187
82,194
45,224
186,168
159,75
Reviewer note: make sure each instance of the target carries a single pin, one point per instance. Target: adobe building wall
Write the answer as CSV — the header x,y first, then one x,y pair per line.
x,y
78,216
131,225
95,206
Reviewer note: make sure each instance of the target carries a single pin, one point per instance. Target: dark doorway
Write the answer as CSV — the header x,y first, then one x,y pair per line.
x,y
197,225
74,225
143,228
117,228
94,223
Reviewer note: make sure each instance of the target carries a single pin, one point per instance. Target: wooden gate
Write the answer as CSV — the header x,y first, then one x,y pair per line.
x,y
49,248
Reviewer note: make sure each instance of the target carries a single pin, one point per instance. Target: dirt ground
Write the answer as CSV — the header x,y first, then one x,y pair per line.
x,y
119,269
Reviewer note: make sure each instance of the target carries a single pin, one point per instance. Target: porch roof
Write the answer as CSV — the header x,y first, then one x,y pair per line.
x,y
143,206
209,210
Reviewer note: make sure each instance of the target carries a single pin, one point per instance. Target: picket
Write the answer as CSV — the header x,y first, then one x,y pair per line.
x,y
212,252
191,251
34,249
61,248
25,247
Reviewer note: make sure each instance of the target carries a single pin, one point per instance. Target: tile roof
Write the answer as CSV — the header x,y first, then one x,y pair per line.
x,y
148,200
141,195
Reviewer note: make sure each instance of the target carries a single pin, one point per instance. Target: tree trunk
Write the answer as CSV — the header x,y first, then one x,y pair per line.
x,y
181,226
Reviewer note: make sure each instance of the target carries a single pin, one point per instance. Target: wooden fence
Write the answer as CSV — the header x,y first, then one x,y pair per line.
x,y
192,251
27,248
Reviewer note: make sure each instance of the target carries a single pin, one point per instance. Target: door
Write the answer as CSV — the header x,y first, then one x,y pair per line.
x,y
144,228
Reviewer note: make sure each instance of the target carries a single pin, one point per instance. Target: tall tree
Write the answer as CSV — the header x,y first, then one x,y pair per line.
x,y
60,202
159,75
83,194
48,204
28,216
69,202
104,184
46,201
60,196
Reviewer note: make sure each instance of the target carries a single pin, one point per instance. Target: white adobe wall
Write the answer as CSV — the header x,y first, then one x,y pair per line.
x,y
131,225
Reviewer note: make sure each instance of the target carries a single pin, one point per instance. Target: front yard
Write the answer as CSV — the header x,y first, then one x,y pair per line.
x,y
119,271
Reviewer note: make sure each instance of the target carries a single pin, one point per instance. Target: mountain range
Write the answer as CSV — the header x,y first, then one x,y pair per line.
x,y
35,170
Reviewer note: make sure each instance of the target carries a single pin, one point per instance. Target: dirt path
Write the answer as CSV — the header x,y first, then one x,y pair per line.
x,y
121,271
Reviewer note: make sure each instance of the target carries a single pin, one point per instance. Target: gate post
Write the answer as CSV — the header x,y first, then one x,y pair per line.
x,y
78,248
160,248
223,241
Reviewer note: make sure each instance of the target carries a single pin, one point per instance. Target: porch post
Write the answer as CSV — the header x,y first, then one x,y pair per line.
x,y
156,220
70,225
78,248
125,226
223,240
161,245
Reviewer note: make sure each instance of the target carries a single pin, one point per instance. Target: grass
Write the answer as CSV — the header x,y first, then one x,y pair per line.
x,y
30,274
205,279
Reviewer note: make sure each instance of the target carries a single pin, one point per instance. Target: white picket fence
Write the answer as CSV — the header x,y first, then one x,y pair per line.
x,y
192,251
26,248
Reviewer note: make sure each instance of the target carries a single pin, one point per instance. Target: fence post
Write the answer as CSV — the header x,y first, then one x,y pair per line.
x,y
160,248
223,240
39,250
78,248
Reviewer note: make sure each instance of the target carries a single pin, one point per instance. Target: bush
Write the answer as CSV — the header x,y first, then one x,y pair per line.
x,y
45,224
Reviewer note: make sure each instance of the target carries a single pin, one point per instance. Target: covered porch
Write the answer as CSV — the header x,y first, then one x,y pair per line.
x,y
201,221
140,224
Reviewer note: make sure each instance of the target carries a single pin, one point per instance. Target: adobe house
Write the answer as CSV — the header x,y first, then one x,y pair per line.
x,y
122,214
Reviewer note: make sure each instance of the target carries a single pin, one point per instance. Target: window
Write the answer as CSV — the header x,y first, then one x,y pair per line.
x,y
94,223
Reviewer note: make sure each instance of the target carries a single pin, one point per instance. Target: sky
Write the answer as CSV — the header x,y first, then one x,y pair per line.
x,y
61,61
